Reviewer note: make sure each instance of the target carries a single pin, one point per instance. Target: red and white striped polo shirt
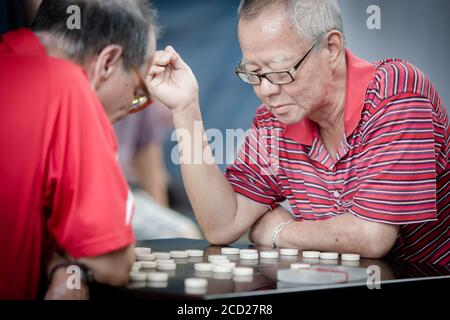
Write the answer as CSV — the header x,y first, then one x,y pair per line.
x,y
392,167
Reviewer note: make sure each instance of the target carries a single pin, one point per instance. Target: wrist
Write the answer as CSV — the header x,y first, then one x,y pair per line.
x,y
276,233
189,109
60,270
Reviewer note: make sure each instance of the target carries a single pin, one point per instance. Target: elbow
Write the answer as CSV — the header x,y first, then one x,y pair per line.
x,y
219,237
113,268
378,241
374,252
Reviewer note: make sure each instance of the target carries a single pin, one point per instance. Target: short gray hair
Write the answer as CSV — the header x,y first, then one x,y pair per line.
x,y
312,19
103,22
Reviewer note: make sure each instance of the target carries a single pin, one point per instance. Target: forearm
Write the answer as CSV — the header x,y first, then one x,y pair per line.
x,y
210,194
344,233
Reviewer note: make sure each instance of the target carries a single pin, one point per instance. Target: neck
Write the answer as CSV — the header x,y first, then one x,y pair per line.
x,y
330,118
50,43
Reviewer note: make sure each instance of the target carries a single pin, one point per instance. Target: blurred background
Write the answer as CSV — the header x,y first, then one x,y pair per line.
x,y
204,33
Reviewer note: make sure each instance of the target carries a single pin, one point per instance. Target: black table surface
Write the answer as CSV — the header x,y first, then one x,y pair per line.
x,y
264,281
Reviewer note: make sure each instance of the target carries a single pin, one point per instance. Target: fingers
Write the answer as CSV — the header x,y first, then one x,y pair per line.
x,y
169,57
176,60
156,70
162,58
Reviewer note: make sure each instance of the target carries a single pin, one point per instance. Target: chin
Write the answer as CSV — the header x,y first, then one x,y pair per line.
x,y
288,118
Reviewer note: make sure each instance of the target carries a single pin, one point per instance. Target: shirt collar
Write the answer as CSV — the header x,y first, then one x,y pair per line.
x,y
359,74
23,41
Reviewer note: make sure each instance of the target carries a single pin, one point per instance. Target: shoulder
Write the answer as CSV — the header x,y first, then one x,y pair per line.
x,y
67,76
397,76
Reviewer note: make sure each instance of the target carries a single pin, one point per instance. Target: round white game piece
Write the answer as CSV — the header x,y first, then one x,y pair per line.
x,y
166,266
161,255
138,276
248,251
311,254
350,257
268,261
178,254
157,276
203,274
242,278
165,261
329,262
296,266
243,271
222,268
144,257
220,261
195,259
204,267
135,268
195,282
311,261
269,254
142,250
222,276
148,264
288,252
195,291
215,257
248,256
228,250
350,263
329,255
249,262
194,253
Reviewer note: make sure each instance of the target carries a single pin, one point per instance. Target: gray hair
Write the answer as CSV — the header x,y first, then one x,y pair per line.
x,y
127,23
312,19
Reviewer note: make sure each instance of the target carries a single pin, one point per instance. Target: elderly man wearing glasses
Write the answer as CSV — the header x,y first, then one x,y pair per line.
x,y
62,189
360,150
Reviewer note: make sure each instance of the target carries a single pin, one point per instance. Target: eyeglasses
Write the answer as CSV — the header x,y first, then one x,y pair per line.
x,y
142,100
275,77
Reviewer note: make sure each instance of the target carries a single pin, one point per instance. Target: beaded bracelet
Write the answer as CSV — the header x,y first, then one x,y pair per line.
x,y
277,230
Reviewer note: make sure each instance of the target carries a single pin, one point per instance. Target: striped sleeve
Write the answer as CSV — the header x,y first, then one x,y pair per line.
x,y
253,174
397,163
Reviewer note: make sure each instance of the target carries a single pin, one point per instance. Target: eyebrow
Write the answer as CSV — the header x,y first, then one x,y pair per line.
x,y
277,59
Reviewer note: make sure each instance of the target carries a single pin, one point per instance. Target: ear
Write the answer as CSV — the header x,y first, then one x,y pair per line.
x,y
335,47
108,61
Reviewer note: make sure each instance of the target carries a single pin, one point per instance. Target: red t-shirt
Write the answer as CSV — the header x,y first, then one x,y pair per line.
x,y
60,179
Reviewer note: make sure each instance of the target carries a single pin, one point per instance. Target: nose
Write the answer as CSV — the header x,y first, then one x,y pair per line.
x,y
268,89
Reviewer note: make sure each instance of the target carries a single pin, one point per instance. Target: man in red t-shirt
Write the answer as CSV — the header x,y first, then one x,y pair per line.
x,y
62,189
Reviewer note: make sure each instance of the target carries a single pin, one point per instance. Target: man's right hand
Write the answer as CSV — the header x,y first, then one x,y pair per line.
x,y
171,81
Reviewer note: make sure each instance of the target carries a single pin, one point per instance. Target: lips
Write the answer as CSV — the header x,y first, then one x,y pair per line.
x,y
280,109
